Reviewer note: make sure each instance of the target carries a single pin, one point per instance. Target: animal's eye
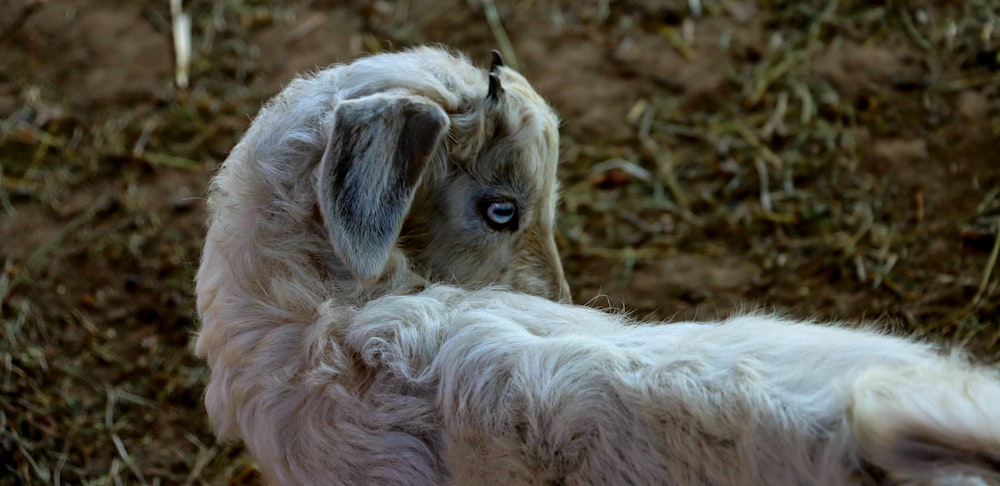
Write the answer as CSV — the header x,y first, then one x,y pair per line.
x,y
499,215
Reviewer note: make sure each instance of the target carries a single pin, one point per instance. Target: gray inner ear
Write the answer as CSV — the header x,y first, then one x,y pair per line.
x,y
369,173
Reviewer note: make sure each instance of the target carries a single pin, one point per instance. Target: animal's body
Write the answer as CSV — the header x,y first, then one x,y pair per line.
x,y
378,301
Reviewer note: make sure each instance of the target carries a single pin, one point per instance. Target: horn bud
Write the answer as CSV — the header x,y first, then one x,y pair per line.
x,y
497,61
495,87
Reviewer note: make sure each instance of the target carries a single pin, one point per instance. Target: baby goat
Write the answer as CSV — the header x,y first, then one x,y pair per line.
x,y
368,179
354,336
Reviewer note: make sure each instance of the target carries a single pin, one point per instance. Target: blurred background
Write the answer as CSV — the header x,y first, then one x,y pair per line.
x,y
823,158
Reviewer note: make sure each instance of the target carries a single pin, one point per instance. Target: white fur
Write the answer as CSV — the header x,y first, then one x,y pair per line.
x,y
332,377
539,392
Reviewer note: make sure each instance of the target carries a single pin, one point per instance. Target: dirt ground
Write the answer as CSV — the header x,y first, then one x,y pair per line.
x,y
827,159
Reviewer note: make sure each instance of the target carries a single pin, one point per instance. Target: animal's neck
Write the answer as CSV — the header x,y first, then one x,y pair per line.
x,y
398,278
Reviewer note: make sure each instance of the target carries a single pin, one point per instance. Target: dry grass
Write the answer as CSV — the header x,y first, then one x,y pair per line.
x,y
841,164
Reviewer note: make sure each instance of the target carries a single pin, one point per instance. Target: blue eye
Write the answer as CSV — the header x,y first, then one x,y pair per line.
x,y
500,212
499,215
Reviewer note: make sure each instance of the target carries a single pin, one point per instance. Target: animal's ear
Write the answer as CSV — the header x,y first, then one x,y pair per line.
x,y
367,178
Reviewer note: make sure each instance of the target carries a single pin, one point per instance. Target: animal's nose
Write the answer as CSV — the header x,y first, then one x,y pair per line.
x,y
538,270
564,295
561,292
541,277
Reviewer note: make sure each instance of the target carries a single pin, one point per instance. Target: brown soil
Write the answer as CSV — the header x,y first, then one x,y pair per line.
x,y
835,164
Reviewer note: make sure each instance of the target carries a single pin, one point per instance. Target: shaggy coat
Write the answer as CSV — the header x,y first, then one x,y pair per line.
x,y
377,297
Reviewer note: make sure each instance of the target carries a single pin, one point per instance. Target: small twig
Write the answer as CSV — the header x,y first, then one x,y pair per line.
x,y
695,6
147,132
627,166
985,203
866,225
503,41
758,144
4,199
170,161
120,447
969,82
912,31
109,408
990,263
859,267
882,275
824,17
24,133
950,33
203,460
767,77
73,429
776,122
5,281
765,190
181,23
664,162
677,41
639,108
43,473
313,22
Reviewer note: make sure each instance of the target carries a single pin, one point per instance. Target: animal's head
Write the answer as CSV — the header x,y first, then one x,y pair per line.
x,y
452,165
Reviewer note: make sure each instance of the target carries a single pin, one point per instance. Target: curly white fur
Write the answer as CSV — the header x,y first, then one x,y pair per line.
x,y
339,355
